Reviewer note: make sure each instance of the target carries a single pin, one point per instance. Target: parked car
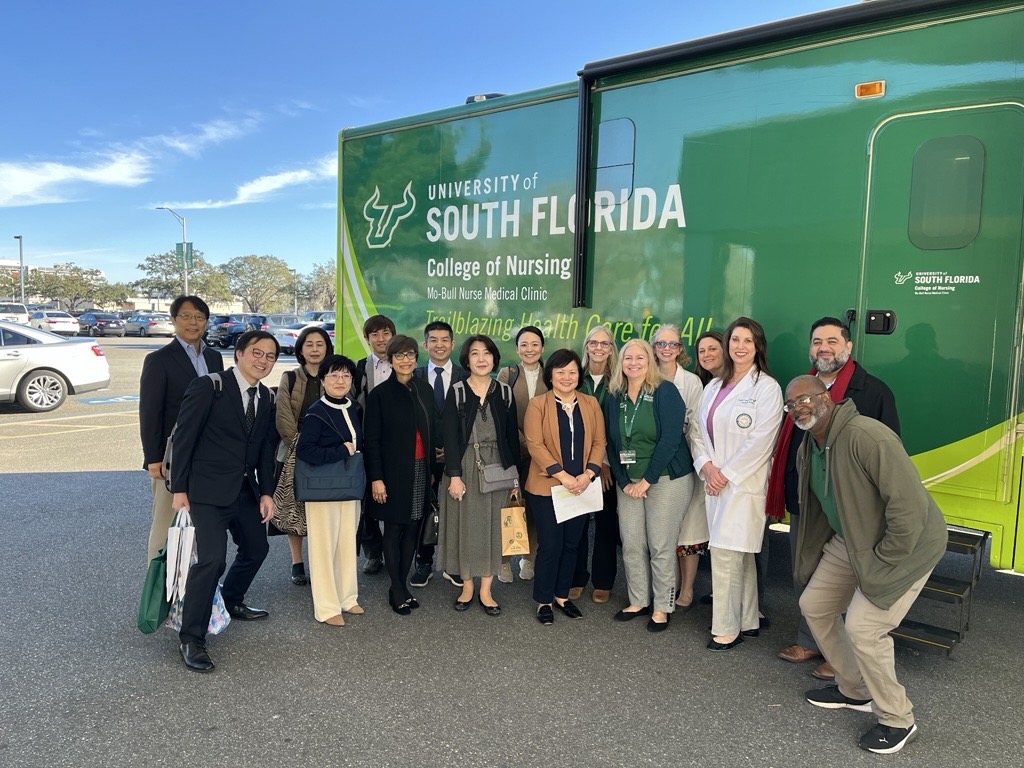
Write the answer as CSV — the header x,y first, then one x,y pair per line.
x,y
100,324
280,320
225,335
318,316
288,335
156,324
54,321
14,313
40,369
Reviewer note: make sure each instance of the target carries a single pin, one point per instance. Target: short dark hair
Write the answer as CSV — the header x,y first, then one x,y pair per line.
x,y
438,325
378,323
487,342
530,329
249,338
305,334
333,363
562,358
400,344
195,301
843,327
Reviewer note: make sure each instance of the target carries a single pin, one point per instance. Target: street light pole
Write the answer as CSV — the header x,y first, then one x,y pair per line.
x,y
21,266
184,240
295,285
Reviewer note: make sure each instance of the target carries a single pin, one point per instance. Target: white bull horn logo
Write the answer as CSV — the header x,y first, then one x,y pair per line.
x,y
384,218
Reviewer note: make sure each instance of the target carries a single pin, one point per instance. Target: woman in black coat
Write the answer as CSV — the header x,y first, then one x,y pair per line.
x,y
400,431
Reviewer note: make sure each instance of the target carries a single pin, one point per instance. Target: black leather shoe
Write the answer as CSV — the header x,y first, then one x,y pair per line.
x,y
196,658
625,615
491,610
373,566
463,606
658,626
243,612
750,632
413,603
713,646
300,579
545,615
570,610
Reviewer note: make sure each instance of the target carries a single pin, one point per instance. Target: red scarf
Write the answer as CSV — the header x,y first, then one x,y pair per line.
x,y
775,505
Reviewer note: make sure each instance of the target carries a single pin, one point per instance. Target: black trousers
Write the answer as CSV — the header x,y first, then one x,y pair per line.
x,y
400,540
555,558
604,564
212,524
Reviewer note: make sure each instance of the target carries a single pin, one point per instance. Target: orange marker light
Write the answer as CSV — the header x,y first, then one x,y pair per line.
x,y
870,90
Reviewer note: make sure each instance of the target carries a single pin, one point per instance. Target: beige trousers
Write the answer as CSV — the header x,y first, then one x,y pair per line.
x,y
734,585
331,539
861,651
163,516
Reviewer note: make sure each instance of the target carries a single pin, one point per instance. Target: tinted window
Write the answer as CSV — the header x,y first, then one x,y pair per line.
x,y
13,338
945,193
616,145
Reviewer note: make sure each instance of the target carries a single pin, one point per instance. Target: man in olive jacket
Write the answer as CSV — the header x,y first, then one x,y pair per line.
x,y
868,541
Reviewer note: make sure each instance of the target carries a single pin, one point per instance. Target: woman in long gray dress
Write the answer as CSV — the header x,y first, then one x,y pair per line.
x,y
479,410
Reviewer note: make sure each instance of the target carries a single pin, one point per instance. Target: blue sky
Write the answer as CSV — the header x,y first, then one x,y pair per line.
x,y
229,113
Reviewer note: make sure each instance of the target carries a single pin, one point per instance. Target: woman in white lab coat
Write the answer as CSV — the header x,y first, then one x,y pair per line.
x,y
739,418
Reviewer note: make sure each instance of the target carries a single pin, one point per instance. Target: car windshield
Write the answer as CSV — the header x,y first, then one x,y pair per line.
x,y
297,326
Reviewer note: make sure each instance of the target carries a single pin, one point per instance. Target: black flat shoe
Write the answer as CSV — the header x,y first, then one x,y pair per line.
x,y
402,609
195,657
750,632
658,626
625,615
713,646
463,606
243,612
570,610
545,615
300,579
491,610
413,603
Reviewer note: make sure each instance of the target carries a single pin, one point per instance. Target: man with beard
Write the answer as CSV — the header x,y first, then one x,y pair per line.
x,y
870,537
830,355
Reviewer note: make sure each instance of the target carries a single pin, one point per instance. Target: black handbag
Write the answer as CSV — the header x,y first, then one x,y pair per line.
x,y
343,480
431,523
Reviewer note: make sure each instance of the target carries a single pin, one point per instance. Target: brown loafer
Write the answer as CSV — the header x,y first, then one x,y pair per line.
x,y
355,610
797,653
335,621
600,595
824,671
575,593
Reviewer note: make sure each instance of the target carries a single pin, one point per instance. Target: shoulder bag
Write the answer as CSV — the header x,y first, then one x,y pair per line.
x,y
342,480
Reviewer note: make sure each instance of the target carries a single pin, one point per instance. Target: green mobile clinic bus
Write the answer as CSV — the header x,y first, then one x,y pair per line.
x,y
865,162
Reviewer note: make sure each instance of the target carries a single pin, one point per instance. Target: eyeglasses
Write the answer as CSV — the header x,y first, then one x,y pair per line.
x,y
792,405
188,317
404,355
667,344
601,344
259,354
338,377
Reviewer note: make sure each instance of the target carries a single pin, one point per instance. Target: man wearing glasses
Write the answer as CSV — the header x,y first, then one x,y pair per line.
x,y
830,354
869,539
223,459
166,375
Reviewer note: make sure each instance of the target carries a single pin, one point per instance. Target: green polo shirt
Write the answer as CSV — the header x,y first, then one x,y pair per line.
x,y
817,483
639,431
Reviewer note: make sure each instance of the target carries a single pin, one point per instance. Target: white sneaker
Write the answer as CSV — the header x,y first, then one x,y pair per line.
x,y
505,574
525,569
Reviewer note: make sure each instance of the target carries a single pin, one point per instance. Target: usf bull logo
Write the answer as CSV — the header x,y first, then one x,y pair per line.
x,y
385,218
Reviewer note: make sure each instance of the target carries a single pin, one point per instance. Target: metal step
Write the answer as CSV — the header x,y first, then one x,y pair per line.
x,y
925,637
966,541
946,590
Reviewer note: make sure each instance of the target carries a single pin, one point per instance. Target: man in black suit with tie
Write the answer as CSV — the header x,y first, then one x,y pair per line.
x,y
166,375
223,473
440,373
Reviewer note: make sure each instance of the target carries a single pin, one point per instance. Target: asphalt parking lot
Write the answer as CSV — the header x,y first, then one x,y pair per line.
x,y
82,687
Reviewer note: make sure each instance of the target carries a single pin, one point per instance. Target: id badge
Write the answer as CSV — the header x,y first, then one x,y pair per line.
x,y
627,457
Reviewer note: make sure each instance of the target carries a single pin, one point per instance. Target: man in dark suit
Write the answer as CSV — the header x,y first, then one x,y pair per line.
x,y
440,373
166,374
223,473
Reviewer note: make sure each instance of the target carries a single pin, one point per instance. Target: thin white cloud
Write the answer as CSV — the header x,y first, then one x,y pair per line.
x,y
205,134
54,182
263,187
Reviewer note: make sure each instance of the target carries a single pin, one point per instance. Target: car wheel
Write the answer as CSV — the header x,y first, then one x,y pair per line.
x,y
234,340
42,390
92,331
142,333
121,334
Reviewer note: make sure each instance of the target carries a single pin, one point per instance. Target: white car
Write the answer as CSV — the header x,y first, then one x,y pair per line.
x,y
288,335
40,369
54,321
14,313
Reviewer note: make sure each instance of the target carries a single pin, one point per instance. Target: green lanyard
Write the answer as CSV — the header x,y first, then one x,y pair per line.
x,y
628,424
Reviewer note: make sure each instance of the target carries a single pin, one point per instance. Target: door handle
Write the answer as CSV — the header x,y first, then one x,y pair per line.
x,y
880,321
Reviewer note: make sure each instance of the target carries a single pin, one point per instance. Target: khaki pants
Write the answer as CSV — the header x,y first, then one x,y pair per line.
x,y
861,651
163,516
734,585
331,539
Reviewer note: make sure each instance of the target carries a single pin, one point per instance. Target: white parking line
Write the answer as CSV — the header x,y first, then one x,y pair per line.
x,y
67,418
